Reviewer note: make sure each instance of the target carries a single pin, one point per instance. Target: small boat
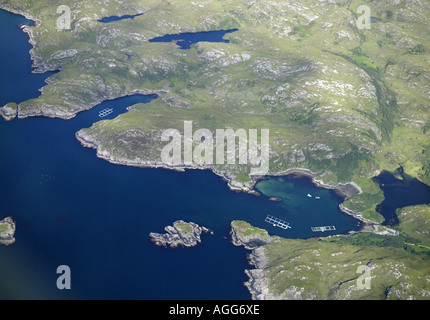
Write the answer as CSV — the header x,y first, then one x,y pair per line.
x,y
309,195
317,197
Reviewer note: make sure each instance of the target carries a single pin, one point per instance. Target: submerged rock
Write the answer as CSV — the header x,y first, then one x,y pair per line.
x,y
276,199
186,234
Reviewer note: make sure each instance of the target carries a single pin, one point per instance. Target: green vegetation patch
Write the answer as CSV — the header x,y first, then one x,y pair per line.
x,y
184,228
4,227
244,229
367,201
415,222
311,269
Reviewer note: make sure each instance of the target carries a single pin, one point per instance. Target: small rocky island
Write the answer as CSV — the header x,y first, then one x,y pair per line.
x,y
185,234
7,231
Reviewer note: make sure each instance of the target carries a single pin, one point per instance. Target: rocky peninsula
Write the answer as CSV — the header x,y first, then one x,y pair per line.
x,y
326,268
243,234
185,234
7,231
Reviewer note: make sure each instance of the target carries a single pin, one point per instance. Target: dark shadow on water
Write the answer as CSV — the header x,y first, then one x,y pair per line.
x,y
400,190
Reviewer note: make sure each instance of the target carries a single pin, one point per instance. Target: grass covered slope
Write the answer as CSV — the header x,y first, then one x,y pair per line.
x,y
415,222
329,269
340,101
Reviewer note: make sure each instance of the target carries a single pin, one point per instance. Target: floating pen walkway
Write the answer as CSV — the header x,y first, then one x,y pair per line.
x,y
276,222
322,229
105,112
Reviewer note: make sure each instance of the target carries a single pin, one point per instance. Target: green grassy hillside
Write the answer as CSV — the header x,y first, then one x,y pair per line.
x,y
329,268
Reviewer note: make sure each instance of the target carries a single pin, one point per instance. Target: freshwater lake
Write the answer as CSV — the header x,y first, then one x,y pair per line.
x,y
118,18
186,39
72,208
400,190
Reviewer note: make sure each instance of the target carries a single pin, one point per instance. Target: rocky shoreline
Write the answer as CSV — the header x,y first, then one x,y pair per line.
x,y
258,284
11,110
255,240
7,236
37,61
5,7
308,269
64,116
233,185
185,234
347,190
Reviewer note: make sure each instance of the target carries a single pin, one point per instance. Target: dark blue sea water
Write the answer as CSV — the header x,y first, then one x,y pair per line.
x,y
186,39
15,58
118,18
72,208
